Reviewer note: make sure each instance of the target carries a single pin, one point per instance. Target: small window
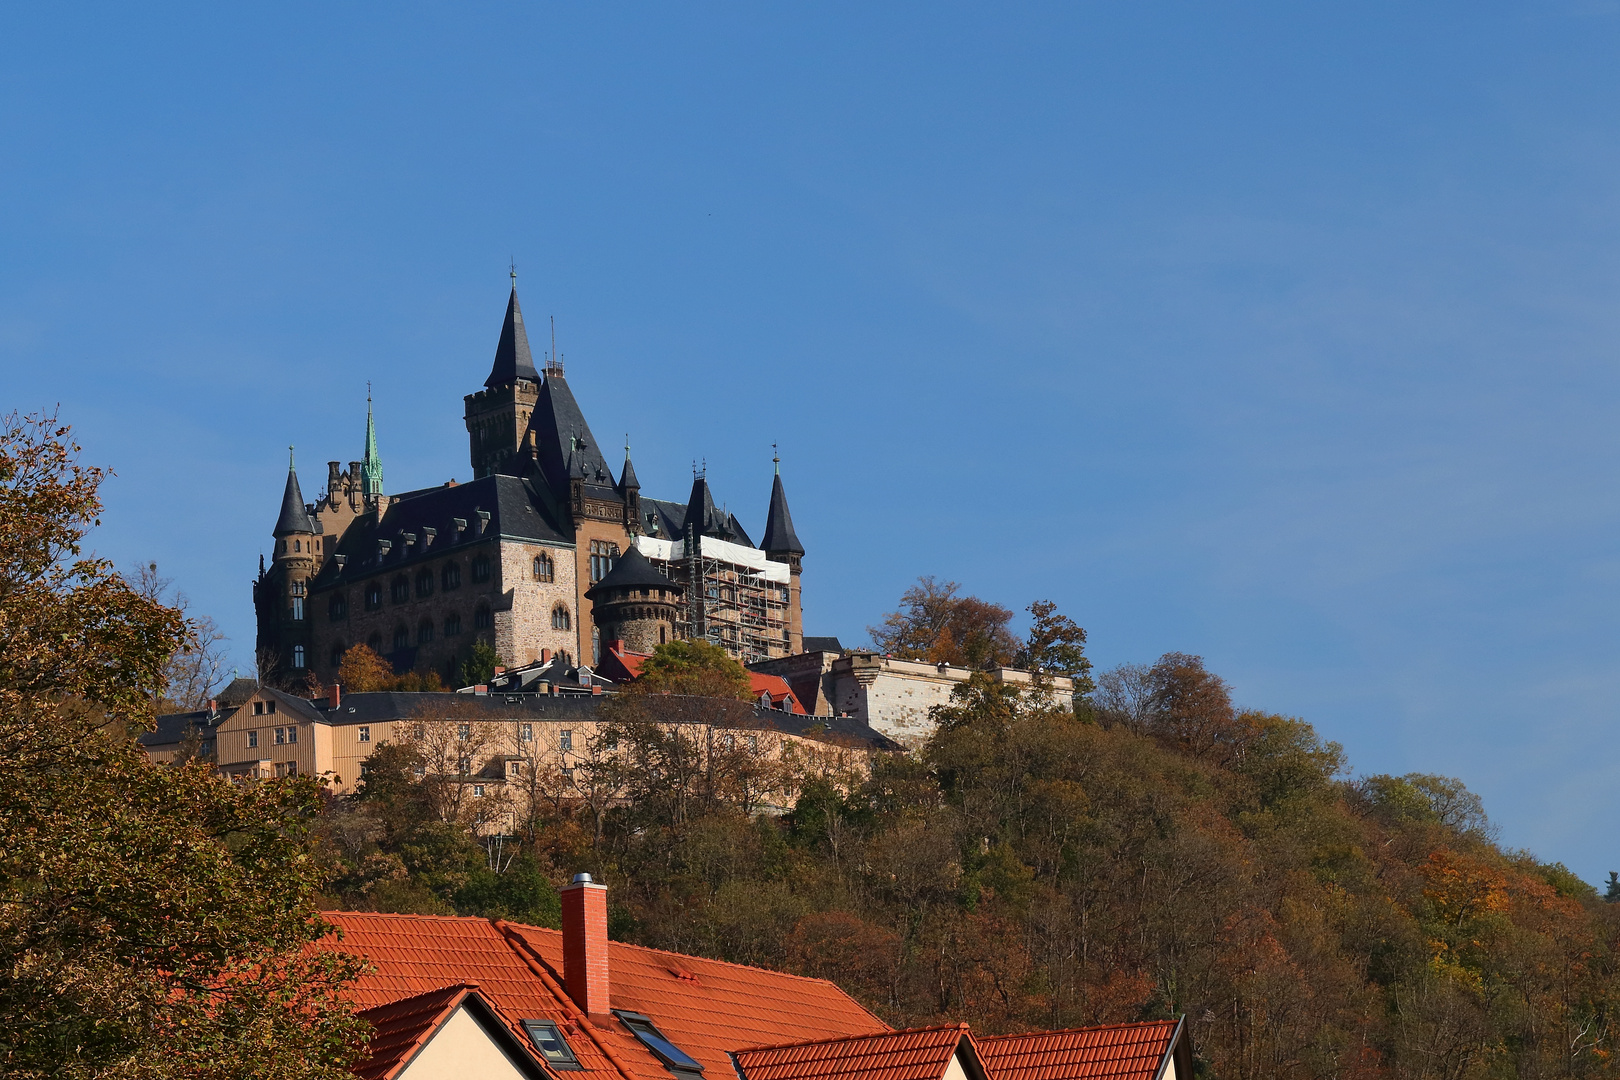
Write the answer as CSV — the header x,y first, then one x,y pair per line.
x,y
753,742
374,643
551,1044
298,609
258,708
253,740
565,741
560,618
451,575
424,632
463,732
481,617
297,546
400,590
365,734
478,791
419,772
373,596
402,638
543,569
675,1059
281,735
452,624
480,568
337,654
298,652
424,583
514,768
526,733
292,734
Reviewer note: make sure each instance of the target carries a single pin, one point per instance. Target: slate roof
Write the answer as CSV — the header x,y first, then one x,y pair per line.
x,y
512,358
700,508
779,534
916,1054
823,644
172,728
294,515
400,1029
633,570
563,439
627,475
519,509
1116,1052
706,1007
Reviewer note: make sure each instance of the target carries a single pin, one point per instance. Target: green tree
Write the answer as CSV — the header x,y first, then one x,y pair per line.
x,y
694,667
1056,645
480,666
153,921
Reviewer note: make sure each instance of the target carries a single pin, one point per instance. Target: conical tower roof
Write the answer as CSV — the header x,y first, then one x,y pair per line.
x,y
627,478
294,517
633,570
779,534
703,514
512,358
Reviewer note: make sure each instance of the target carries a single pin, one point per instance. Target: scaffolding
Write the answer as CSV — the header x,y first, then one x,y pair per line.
x,y
732,596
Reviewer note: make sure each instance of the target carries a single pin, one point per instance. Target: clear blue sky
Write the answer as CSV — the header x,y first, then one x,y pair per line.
x,y
1285,334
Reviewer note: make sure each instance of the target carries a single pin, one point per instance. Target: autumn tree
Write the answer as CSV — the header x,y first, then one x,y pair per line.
x,y
154,922
937,624
695,668
1056,645
198,665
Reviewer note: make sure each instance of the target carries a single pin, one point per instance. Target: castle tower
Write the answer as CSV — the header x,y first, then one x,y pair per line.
x,y
498,416
635,604
781,544
371,473
281,595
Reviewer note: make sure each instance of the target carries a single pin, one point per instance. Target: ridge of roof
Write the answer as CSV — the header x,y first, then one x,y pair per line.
x,y
1133,1051
400,1029
959,1027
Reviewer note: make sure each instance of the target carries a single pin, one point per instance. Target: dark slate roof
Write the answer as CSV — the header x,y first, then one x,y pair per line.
x,y
631,570
627,477
294,515
512,358
563,440
172,728
779,534
519,509
371,708
670,519
823,644
238,691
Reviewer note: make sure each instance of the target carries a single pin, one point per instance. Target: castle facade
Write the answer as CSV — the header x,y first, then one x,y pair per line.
x,y
510,557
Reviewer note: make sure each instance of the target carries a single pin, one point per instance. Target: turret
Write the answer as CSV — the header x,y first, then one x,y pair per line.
x,y
283,595
635,604
497,417
781,544
630,492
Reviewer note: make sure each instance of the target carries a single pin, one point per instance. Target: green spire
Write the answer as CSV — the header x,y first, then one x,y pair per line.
x,y
371,466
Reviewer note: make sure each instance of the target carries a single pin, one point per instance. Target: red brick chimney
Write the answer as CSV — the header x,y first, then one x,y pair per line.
x,y
585,944
337,695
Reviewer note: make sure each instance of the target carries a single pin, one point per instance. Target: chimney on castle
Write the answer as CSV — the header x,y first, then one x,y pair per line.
x,y
585,944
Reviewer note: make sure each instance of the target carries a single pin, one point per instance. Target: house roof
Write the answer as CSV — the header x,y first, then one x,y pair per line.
x,y
563,441
823,644
706,1007
513,360
916,1054
1116,1052
400,1029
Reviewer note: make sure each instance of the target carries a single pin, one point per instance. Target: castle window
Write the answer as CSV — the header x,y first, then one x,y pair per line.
x,y
481,617
298,656
543,570
298,609
424,583
452,575
596,644
337,654
374,642
603,555
560,619
297,546
399,590
402,637
480,569
337,607
424,632
661,640
373,596
452,624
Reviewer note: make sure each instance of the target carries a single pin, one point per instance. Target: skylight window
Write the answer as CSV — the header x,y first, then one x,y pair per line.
x,y
552,1046
675,1059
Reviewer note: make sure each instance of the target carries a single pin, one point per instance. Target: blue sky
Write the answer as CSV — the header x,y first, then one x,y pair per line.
x,y
1283,334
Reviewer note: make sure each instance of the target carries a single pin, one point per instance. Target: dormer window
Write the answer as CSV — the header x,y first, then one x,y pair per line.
x,y
675,1059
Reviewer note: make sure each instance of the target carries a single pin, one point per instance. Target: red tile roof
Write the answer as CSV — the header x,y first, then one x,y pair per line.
x,y
619,662
403,1027
917,1054
777,687
1117,1052
706,1007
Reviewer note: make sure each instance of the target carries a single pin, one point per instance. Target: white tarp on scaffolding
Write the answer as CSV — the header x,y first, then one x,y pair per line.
x,y
720,551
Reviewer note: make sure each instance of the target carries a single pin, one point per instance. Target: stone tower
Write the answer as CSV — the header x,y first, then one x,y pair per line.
x,y
498,416
635,604
781,544
282,595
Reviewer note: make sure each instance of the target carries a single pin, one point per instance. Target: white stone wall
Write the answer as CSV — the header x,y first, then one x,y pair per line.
x,y
895,696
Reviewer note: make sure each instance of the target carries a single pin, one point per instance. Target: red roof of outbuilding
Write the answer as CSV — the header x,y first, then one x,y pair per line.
x,y
917,1054
1116,1052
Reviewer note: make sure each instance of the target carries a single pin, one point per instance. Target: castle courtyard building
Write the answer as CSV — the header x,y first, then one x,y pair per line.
x,y
511,557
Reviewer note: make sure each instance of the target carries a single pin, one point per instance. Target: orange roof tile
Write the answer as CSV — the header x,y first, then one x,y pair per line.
x,y
401,1028
1116,1052
917,1054
706,1007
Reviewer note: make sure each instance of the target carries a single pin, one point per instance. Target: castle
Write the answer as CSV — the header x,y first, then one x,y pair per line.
x,y
522,556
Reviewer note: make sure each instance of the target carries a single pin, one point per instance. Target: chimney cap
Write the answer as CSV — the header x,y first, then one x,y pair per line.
x,y
582,879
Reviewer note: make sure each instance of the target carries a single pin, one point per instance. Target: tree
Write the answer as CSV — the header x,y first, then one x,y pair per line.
x,y
198,666
935,624
1056,645
153,921
479,667
694,667
362,670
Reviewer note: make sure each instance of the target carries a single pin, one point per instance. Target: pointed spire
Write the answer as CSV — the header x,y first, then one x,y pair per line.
x,y
371,464
627,478
294,517
702,513
512,358
779,535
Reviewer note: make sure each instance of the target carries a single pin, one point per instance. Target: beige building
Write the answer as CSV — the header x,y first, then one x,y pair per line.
x,y
508,557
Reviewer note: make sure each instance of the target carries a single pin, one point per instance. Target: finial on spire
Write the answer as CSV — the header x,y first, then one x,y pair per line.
x,y
289,457
627,446
776,459
512,262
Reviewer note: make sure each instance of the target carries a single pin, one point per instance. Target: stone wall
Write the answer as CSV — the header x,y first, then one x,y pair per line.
x,y
523,617
894,696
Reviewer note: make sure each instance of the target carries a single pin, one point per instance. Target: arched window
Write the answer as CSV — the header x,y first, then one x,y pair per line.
x,y
543,569
481,617
596,644
337,654
451,575
452,624
298,656
424,583
560,619
338,606
298,546
603,556
480,569
661,640
373,596
374,643
424,632
402,637
399,590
